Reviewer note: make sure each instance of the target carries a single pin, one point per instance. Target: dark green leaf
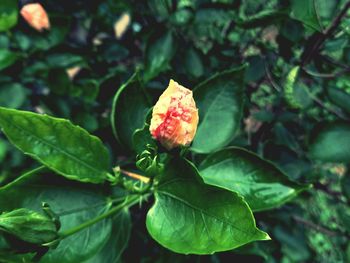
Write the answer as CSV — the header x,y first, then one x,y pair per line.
x,y
117,242
261,184
256,69
306,12
129,110
46,40
58,81
193,63
190,217
339,98
74,205
86,88
67,149
220,101
8,14
8,257
28,226
330,142
158,55
7,58
12,95
64,60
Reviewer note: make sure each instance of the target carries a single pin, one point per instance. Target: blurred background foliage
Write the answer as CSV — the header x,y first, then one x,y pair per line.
x,y
296,112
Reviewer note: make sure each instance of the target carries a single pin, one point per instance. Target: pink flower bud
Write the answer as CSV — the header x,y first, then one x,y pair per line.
x,y
36,16
174,117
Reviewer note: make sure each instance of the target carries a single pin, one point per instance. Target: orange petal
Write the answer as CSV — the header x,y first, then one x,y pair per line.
x,y
175,117
36,16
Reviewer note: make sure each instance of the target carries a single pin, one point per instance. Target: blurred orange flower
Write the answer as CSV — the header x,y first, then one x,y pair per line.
x,y
175,117
36,16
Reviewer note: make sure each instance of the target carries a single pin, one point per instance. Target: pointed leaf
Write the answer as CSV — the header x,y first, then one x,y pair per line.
x,y
262,184
306,12
158,55
63,147
220,101
190,217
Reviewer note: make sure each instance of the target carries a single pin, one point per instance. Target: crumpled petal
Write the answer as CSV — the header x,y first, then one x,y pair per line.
x,y
175,117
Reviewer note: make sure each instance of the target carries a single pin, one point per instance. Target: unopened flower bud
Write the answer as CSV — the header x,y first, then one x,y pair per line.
x,y
36,16
174,117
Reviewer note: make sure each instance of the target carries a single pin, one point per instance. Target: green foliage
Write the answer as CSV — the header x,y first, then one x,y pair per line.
x,y
261,184
306,12
158,55
270,157
130,105
74,204
67,149
219,101
329,142
118,240
8,14
28,226
190,217
7,58
339,98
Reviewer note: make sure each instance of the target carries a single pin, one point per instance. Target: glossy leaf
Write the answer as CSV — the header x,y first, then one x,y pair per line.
x,y
261,184
8,14
129,110
158,55
190,217
29,226
220,101
63,147
330,142
118,240
74,205
306,12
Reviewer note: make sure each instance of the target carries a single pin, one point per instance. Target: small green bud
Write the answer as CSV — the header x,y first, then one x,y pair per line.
x,y
28,226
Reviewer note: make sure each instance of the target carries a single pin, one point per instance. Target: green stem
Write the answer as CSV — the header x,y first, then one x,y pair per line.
x,y
24,176
128,202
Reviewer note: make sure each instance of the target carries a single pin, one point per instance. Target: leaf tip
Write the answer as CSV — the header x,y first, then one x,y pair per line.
x,y
263,236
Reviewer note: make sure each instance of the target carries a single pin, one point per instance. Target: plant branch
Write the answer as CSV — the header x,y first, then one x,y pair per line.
x,y
321,37
316,227
25,175
330,109
328,75
129,201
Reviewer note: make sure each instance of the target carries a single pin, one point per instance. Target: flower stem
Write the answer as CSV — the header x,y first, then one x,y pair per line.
x,y
129,201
